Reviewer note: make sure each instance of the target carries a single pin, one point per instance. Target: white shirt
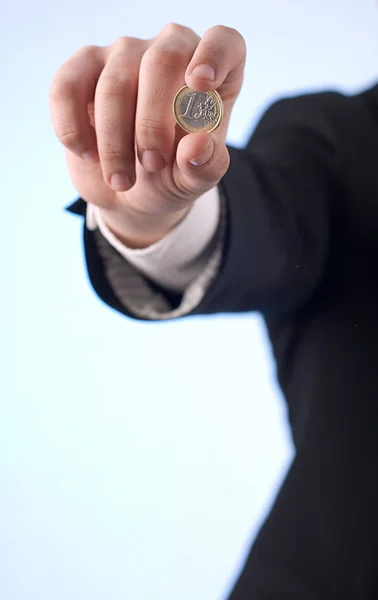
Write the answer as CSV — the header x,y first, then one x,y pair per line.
x,y
186,260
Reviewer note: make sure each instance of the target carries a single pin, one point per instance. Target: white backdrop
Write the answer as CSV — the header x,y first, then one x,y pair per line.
x,y
120,477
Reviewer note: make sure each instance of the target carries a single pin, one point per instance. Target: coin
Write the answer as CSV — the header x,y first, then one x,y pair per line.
x,y
197,112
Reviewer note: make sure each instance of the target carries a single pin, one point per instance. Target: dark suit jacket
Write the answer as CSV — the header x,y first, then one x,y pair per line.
x,y
302,248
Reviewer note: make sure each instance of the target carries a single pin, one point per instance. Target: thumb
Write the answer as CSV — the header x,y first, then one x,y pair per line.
x,y
202,159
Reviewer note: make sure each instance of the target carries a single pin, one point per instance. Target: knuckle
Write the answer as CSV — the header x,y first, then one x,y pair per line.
x,y
66,78
87,51
169,56
175,29
116,84
224,32
115,156
226,28
221,30
123,43
148,125
152,134
61,89
70,138
113,153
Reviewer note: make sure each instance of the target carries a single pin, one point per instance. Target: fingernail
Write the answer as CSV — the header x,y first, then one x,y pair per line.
x,y
91,156
152,160
204,72
204,157
120,182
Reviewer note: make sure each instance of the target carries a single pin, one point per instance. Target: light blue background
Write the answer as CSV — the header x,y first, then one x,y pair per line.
x,y
136,459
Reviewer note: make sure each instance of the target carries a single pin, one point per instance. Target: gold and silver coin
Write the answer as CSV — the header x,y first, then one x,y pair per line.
x,y
198,112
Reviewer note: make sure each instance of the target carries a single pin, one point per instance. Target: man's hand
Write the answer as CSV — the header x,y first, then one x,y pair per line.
x,y
112,110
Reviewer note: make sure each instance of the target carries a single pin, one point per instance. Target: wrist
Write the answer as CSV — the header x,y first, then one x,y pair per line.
x,y
140,231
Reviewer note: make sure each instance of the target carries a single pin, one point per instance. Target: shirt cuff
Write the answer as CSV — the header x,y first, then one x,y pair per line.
x,y
143,300
176,260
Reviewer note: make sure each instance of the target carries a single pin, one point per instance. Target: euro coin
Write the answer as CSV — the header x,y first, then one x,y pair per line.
x,y
198,112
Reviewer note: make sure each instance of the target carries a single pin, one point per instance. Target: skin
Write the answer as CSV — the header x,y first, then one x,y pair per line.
x,y
111,108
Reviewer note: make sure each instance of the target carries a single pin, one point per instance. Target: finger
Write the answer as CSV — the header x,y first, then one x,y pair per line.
x,y
115,105
88,178
161,75
218,63
71,91
202,159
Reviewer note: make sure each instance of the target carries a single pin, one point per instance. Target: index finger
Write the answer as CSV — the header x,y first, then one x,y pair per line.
x,y
218,63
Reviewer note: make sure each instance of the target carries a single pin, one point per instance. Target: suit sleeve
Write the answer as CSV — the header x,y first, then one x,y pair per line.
x,y
279,192
277,198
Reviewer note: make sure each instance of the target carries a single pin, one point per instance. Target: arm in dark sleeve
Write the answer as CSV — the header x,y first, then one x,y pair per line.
x,y
277,195
279,192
